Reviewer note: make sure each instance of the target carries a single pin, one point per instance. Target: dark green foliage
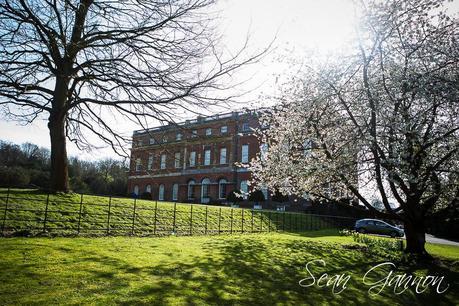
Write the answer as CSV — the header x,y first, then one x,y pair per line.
x,y
29,164
257,196
234,196
279,197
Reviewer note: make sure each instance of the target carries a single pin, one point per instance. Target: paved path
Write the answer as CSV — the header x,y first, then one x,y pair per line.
x,y
433,239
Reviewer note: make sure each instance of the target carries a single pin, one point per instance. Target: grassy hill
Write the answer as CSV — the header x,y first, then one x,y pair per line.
x,y
28,211
249,269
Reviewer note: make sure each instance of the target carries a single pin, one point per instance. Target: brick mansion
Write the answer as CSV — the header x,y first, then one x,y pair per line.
x,y
194,161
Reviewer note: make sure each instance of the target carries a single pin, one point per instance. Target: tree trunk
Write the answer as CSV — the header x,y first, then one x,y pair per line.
x,y
59,162
415,237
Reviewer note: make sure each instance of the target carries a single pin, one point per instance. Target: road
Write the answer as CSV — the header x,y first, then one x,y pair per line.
x,y
433,239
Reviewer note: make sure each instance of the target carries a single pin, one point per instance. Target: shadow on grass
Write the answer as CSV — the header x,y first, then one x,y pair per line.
x,y
235,270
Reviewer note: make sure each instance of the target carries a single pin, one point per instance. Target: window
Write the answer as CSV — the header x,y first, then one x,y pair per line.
x,y
178,137
136,190
191,184
194,133
245,153
140,142
245,127
164,139
174,192
161,192
177,160
263,151
148,188
208,131
206,157
222,189
163,161
205,184
222,156
152,140
307,147
224,129
138,164
244,189
192,158
265,192
150,161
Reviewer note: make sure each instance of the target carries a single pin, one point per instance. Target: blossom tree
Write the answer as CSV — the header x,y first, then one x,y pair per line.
x,y
386,117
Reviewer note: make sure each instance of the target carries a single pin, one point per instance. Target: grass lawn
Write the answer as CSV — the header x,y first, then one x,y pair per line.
x,y
249,269
27,209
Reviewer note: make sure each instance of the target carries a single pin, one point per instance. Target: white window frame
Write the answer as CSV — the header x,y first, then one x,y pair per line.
x,y
136,190
245,127
194,133
178,136
223,157
177,160
152,140
190,191
148,188
207,157
138,164
224,129
208,131
175,188
192,159
150,161
205,190
163,161
222,183
161,192
245,153
244,187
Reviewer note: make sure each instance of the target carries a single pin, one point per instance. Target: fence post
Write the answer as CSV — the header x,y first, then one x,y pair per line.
x,y
242,222
219,219
252,219
231,226
108,214
269,221
205,230
175,213
155,220
79,215
6,209
283,221
261,222
46,213
133,217
191,219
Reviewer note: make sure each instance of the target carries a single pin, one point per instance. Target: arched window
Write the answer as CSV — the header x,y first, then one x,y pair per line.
x,y
205,189
174,192
161,192
136,189
148,188
191,184
222,188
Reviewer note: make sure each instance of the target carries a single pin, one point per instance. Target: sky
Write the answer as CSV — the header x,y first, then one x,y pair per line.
x,y
296,27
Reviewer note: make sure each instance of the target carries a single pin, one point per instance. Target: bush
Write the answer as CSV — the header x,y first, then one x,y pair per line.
x,y
234,196
257,196
146,195
279,197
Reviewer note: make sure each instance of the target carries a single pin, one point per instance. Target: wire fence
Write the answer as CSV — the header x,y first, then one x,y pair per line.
x,y
33,213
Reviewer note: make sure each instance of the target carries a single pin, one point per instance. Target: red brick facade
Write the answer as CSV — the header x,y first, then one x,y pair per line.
x,y
162,158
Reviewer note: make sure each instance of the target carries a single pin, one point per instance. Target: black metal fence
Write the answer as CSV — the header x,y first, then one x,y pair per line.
x,y
34,213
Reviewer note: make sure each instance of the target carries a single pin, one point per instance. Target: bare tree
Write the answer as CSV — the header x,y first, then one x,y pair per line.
x,y
83,62
385,117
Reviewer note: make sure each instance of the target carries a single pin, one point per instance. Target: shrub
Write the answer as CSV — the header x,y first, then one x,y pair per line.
x,y
257,196
234,196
